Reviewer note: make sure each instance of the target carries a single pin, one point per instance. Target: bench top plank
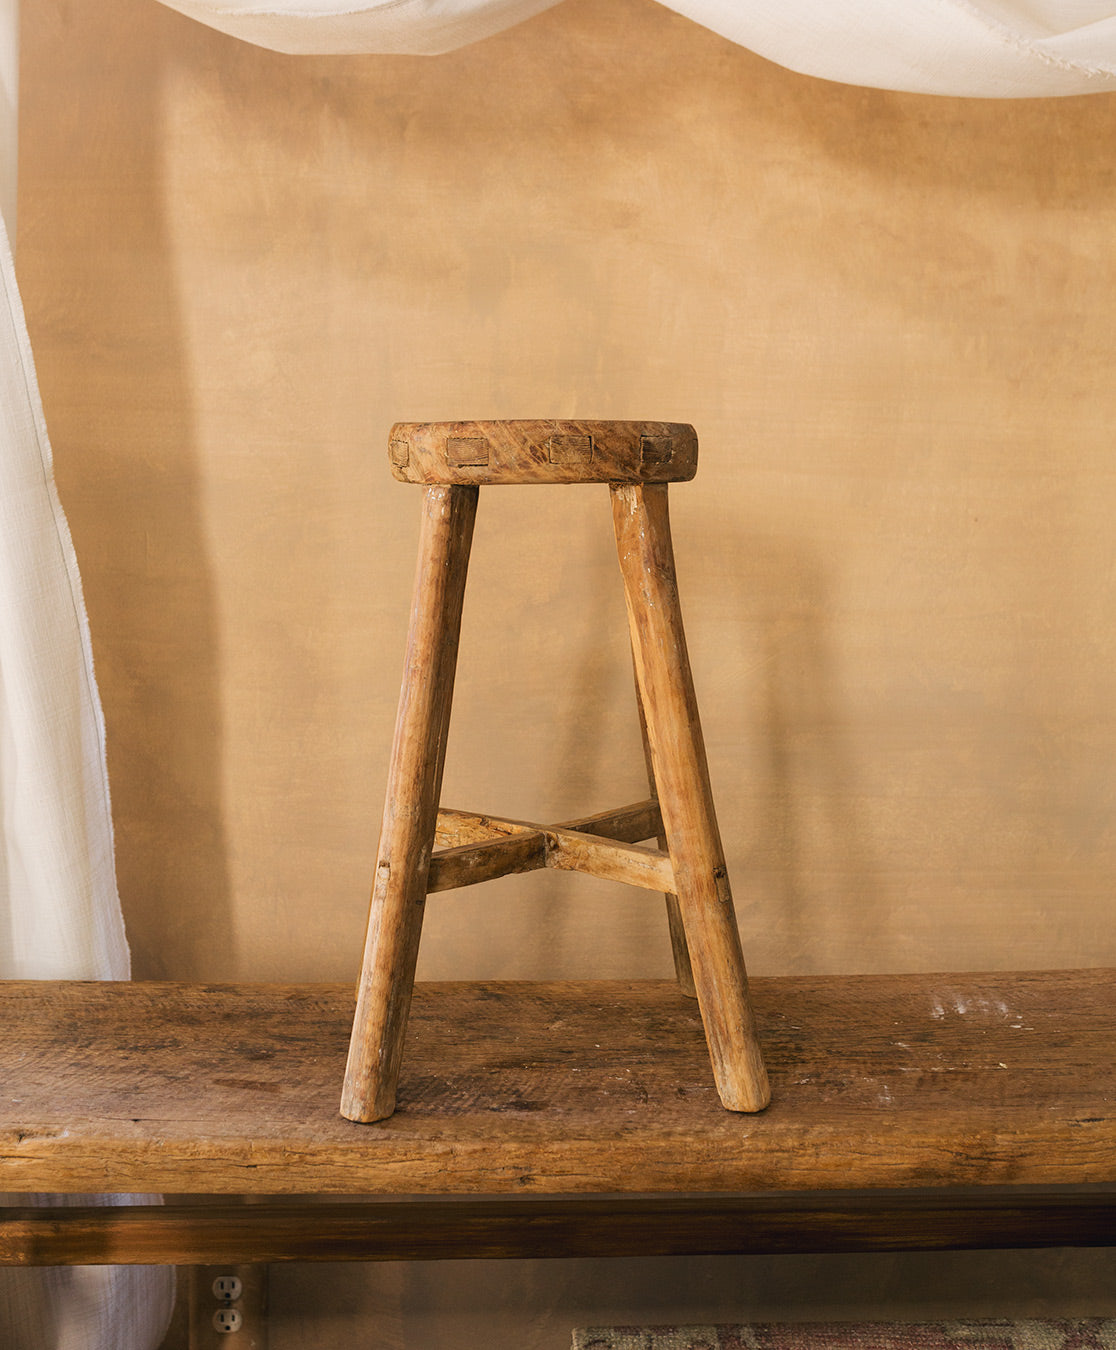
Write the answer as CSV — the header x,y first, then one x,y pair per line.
x,y
879,1082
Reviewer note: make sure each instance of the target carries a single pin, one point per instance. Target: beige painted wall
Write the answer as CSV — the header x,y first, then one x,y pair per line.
x,y
890,318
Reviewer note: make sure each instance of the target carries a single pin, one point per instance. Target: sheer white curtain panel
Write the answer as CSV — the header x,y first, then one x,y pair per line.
x,y
966,48
59,913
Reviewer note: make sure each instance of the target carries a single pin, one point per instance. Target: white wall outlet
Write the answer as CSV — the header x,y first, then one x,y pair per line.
x,y
228,1307
227,1288
227,1320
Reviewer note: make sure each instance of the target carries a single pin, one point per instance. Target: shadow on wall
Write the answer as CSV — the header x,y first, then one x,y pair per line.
x,y
777,728
122,426
783,770
776,723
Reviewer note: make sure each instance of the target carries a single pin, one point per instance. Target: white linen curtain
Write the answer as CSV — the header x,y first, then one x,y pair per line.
x,y
59,913
969,48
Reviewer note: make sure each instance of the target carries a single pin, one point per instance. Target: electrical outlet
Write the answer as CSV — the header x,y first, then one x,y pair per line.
x,y
227,1320
227,1288
228,1307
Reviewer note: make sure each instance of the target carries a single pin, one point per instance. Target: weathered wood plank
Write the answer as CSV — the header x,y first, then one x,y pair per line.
x,y
880,1081
487,1227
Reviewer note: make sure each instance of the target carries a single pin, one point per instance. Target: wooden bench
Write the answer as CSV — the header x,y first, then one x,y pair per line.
x,y
909,1112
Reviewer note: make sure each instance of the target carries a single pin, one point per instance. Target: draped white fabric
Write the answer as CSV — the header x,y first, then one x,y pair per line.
x,y
60,917
59,913
969,48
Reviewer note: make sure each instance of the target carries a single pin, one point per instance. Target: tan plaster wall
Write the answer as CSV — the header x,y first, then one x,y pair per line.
x,y
890,318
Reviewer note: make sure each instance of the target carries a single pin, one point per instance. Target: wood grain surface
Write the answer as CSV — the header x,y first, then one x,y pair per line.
x,y
483,847
411,806
680,951
418,1229
879,1082
669,714
543,451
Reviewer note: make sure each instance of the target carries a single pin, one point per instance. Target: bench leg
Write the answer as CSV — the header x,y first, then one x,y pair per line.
x,y
411,807
642,522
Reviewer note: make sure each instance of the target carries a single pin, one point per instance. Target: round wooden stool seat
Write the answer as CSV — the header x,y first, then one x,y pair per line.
x,y
541,451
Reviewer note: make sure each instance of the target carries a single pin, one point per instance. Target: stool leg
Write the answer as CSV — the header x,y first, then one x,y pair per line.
x,y
683,969
642,522
411,807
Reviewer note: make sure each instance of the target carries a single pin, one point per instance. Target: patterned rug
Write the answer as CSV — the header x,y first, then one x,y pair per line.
x,y
1064,1334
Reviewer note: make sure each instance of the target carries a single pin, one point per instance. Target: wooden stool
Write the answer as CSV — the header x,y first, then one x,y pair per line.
x,y
638,460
